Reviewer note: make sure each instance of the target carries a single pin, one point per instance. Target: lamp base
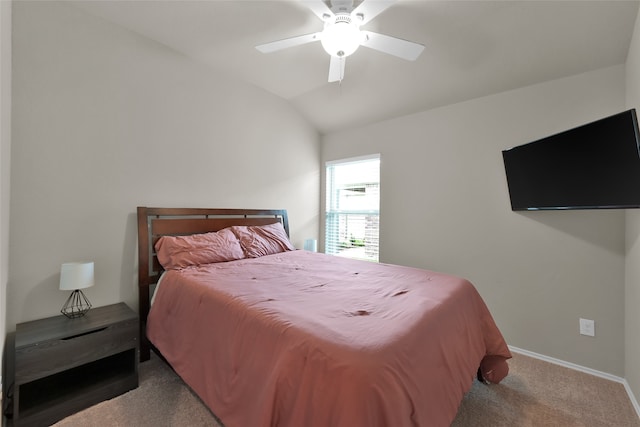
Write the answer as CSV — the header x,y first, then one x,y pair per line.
x,y
77,305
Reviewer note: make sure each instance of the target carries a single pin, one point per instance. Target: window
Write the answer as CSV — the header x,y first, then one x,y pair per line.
x,y
353,208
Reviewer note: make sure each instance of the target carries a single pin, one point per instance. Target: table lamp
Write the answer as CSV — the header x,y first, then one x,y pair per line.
x,y
75,276
311,245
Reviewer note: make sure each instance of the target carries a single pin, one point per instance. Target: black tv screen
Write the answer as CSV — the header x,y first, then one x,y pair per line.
x,y
593,166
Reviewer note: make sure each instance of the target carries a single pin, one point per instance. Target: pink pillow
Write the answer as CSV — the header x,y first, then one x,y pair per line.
x,y
175,252
259,240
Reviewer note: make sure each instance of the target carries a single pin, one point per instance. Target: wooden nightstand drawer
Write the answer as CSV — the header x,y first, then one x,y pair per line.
x,y
74,350
65,365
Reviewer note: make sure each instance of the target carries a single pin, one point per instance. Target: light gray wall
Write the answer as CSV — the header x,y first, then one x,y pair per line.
x,y
632,264
445,206
5,158
105,120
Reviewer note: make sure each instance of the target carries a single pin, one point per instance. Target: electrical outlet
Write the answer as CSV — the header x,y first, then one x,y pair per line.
x,y
588,327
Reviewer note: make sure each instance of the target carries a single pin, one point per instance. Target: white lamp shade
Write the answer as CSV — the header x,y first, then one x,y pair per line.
x,y
76,275
311,245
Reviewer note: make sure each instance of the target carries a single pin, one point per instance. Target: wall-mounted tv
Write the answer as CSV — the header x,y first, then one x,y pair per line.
x,y
594,166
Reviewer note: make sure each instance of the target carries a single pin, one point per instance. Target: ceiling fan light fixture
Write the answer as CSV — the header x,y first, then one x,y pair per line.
x,y
342,37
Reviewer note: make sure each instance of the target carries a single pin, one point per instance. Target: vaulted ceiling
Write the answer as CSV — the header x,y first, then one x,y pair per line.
x,y
472,49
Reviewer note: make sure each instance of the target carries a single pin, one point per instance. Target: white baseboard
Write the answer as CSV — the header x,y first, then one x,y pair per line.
x,y
584,369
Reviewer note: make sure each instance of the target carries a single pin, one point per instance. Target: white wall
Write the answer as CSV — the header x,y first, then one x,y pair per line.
x,y
445,206
5,158
632,270
105,120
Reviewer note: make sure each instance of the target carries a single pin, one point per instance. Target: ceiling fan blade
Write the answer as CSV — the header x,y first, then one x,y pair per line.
x,y
319,8
336,69
369,9
290,42
393,46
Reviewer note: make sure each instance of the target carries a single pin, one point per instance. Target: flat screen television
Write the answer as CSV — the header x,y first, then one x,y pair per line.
x,y
594,166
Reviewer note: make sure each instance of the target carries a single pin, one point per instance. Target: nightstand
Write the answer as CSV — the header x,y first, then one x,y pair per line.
x,y
65,365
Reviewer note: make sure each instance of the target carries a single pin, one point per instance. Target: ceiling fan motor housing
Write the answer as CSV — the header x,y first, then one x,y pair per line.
x,y
341,36
341,6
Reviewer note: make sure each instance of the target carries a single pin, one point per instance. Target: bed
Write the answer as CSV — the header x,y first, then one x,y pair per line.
x,y
273,336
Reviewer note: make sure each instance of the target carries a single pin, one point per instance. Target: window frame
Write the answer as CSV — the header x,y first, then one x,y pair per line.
x,y
331,244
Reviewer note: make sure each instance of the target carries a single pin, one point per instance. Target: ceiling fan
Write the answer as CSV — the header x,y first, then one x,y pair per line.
x,y
342,35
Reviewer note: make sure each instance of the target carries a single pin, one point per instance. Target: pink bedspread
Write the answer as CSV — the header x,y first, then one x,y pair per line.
x,y
303,339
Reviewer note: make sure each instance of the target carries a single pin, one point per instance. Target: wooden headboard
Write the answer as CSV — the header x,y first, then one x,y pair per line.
x,y
154,223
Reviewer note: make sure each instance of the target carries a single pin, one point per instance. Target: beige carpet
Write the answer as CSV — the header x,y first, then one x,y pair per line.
x,y
535,393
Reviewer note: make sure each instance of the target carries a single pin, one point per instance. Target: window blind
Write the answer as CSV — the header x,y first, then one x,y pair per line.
x,y
352,216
